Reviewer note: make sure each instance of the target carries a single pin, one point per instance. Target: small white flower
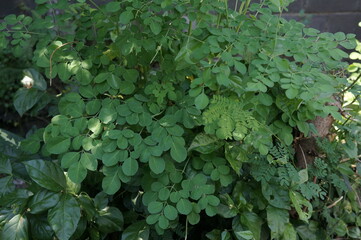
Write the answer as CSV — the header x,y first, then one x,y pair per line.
x,y
27,82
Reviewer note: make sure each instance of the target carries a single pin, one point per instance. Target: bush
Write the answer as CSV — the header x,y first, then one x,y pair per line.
x,y
182,120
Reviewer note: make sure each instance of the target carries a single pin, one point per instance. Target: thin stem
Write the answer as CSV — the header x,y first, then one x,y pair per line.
x,y
96,5
235,6
51,57
354,99
226,6
352,84
185,237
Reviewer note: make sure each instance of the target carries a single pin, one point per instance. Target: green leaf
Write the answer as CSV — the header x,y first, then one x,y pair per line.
x,y
77,172
64,71
248,235
30,145
101,77
11,19
5,166
123,110
291,93
40,227
225,235
69,158
111,184
241,68
89,161
112,158
253,222
215,234
110,219
93,106
170,212
94,125
107,115
145,119
277,219
43,200
163,222
82,226
235,155
16,228
84,76
339,36
289,232
72,105
113,81
277,3
302,206
276,196
303,127
87,144
112,7
205,143
177,150
126,17
25,99
132,119
58,144
156,164
193,218
47,174
201,101
130,167
138,230
155,207
126,87
72,187
6,185
155,27
184,206
152,219
265,99
175,130
64,217
18,197
163,194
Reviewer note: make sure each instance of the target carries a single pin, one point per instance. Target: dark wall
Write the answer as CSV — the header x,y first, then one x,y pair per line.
x,y
14,6
328,15
325,15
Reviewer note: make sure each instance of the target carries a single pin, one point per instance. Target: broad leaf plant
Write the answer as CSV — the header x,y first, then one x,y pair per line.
x,y
180,120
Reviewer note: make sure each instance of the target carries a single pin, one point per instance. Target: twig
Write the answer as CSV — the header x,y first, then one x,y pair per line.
x,y
334,204
348,159
51,58
304,156
186,236
352,84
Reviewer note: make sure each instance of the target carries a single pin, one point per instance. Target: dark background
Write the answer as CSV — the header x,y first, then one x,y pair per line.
x,y
325,15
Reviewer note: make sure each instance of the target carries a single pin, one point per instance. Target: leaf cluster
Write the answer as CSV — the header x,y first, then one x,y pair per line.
x,y
176,120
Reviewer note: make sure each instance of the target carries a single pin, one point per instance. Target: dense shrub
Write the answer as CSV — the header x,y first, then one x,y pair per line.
x,y
182,120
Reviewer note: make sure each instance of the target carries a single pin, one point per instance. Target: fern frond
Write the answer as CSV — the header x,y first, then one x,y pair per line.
x,y
280,153
312,190
227,120
338,182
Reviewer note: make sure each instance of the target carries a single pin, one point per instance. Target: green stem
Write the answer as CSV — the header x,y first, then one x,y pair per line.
x,y
190,28
352,84
235,6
